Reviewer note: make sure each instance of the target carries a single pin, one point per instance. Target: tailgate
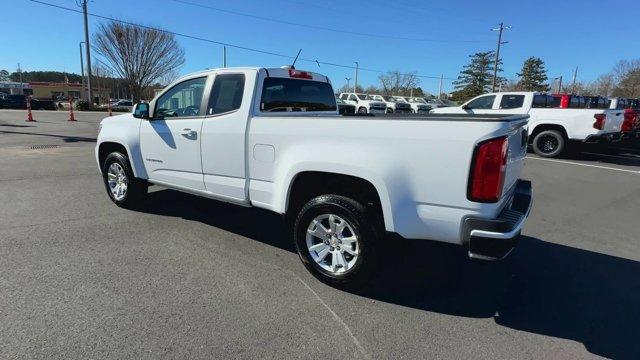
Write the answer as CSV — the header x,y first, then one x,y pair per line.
x,y
613,121
518,138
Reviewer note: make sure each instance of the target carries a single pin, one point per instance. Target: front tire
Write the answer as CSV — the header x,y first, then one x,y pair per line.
x,y
549,143
123,188
389,111
336,238
362,110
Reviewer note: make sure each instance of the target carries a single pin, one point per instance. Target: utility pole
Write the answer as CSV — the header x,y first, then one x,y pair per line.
x,y
495,65
348,79
88,48
21,83
224,56
440,91
355,82
82,94
573,85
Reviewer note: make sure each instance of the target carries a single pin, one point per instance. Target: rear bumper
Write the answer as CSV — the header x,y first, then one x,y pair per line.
x,y
603,138
493,239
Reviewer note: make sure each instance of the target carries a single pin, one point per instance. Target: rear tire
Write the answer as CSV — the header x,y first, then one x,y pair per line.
x,y
549,143
123,188
336,240
389,111
362,110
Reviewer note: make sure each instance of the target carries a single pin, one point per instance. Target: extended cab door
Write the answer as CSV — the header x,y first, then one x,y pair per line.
x,y
224,134
484,104
170,142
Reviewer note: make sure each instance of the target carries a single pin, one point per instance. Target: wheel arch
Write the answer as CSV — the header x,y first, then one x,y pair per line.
x,y
307,184
544,127
108,146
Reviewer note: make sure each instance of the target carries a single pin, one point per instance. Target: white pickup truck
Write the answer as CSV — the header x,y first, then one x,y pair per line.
x,y
393,106
550,128
273,139
418,106
364,103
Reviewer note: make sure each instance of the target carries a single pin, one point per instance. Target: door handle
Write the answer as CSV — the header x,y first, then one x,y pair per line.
x,y
189,133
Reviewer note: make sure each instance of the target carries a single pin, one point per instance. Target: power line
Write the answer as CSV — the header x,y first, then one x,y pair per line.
x,y
316,61
315,27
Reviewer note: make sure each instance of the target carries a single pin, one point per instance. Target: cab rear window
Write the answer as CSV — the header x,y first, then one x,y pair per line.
x,y
293,95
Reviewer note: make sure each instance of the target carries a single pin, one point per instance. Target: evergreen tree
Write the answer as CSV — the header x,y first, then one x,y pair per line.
x,y
533,76
477,77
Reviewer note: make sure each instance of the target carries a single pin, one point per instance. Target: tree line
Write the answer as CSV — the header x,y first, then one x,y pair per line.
x,y
476,78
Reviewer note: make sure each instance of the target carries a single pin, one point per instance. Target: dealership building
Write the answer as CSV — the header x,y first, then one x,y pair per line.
x,y
50,90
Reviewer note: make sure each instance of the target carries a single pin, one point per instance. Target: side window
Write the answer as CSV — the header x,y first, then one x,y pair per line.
x,y
226,93
483,102
539,101
511,101
182,100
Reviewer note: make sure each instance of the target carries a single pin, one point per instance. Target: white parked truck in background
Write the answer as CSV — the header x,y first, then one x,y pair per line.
x,y
363,104
418,106
272,138
550,128
393,106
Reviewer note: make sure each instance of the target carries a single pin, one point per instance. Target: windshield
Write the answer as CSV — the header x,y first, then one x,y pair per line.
x,y
371,97
418,100
288,95
389,98
361,96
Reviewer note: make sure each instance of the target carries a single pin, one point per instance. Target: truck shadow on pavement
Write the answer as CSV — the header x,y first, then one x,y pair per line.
x,y
65,138
542,287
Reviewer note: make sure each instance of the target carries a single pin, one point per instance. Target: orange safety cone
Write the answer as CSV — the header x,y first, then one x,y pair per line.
x,y
29,114
71,117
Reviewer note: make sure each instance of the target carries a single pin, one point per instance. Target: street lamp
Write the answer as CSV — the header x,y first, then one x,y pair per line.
x,y
348,79
559,78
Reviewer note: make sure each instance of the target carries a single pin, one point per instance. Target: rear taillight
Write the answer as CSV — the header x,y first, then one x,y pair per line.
x,y
299,74
629,122
600,119
488,170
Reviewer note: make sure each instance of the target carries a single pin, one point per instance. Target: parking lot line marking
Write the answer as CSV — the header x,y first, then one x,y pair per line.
x,y
628,157
586,165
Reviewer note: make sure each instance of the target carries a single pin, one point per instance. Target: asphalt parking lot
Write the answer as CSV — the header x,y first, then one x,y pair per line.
x,y
187,277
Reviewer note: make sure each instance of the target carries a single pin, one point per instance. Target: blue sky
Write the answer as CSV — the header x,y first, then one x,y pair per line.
x,y
592,35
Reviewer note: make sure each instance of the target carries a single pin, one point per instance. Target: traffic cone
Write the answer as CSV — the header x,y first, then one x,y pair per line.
x,y
29,114
71,117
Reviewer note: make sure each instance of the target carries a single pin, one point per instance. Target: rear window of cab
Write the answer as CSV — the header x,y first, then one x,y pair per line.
x,y
296,95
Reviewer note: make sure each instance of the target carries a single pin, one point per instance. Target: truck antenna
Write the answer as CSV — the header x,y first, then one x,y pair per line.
x,y
293,65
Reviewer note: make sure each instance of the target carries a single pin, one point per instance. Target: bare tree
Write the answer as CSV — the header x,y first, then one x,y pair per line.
x,y
626,75
603,85
397,83
141,56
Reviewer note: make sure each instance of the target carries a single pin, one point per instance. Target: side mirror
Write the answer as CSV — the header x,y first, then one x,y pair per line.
x,y
141,111
466,107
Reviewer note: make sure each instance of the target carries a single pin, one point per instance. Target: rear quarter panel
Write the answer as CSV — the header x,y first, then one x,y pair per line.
x,y
419,168
578,123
